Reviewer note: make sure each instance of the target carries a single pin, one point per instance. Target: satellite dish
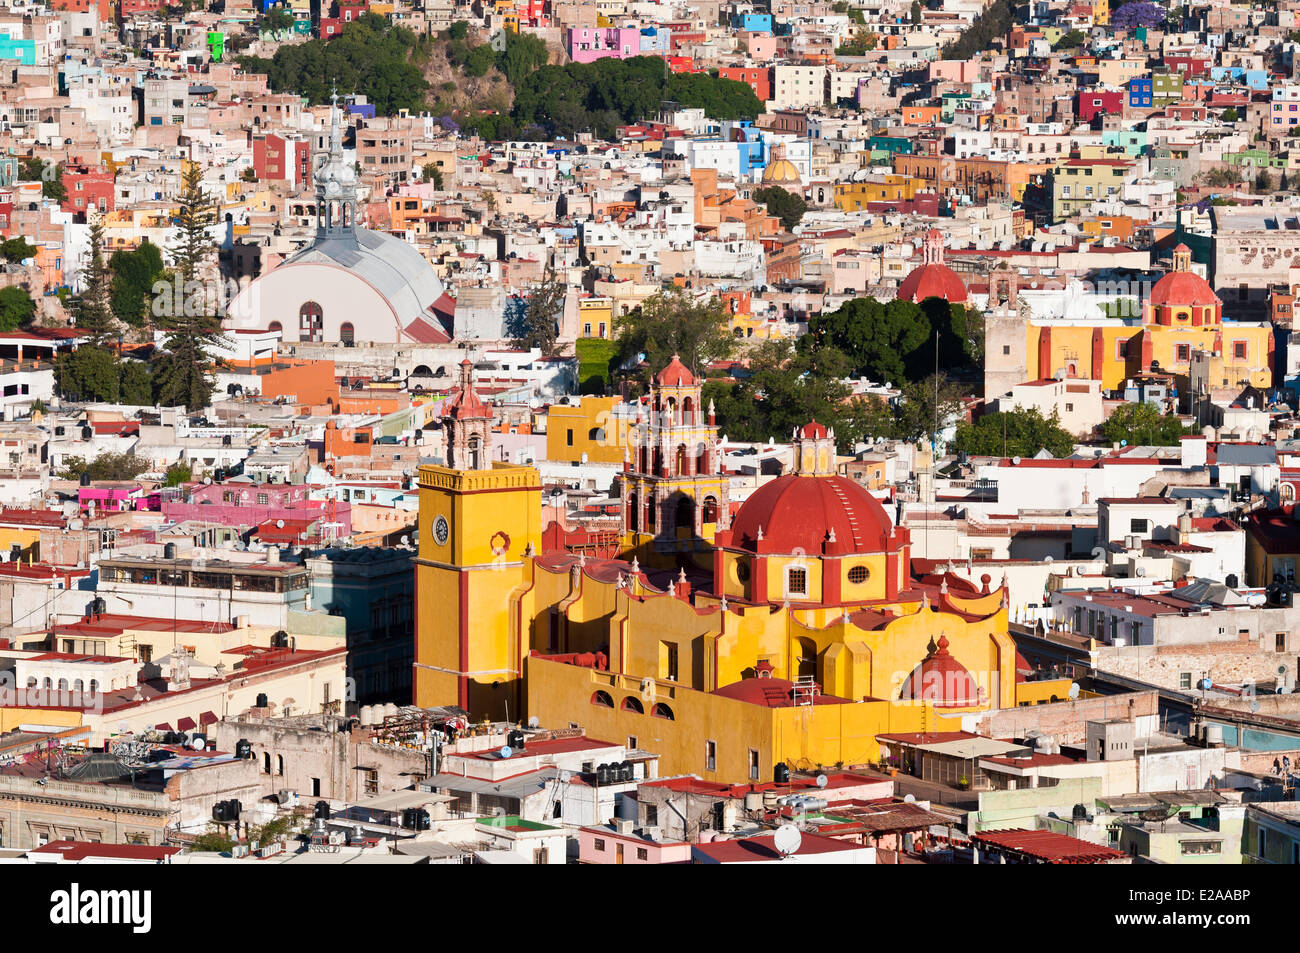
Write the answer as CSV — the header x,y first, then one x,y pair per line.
x,y
1015,461
909,799
1281,669
822,780
279,524
787,839
534,721
564,776
1205,684
505,751
1074,690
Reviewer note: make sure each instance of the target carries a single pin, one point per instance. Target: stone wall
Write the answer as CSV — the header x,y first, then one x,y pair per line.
x,y
1065,720
1224,663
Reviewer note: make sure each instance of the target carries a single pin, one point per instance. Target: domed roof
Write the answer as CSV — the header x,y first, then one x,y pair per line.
x,y
798,513
941,680
933,280
782,172
393,267
813,431
1184,288
676,374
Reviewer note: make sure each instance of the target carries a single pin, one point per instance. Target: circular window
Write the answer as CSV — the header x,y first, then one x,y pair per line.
x,y
742,571
858,574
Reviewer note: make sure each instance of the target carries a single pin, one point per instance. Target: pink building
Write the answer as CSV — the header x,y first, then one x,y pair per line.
x,y
252,504
606,845
588,44
110,497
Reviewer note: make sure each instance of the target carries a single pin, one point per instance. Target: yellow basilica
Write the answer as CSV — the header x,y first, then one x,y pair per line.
x,y
790,631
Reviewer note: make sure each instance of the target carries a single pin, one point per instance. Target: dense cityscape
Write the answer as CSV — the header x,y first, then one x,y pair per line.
x,y
542,432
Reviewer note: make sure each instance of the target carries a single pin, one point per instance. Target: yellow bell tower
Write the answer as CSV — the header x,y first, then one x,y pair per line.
x,y
480,524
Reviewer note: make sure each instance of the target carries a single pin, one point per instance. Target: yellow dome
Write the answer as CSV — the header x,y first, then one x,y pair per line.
x,y
782,172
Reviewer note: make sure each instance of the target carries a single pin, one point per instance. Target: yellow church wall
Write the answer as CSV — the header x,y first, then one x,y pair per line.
x,y
657,622
591,428
12,718
750,634
803,736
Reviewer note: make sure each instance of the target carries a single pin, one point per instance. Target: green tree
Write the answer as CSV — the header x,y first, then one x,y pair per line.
x,y
458,30
916,12
789,207
1014,433
277,20
17,249
1230,114
137,384
535,324
17,308
187,374
109,465
1142,425
431,173
1071,40
787,387
91,309
212,841
178,473
89,373
920,412
668,323
524,53
52,186
993,24
878,338
134,275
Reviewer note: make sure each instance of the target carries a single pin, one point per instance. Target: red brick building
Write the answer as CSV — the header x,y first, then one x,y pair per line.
x,y
757,78
278,158
88,188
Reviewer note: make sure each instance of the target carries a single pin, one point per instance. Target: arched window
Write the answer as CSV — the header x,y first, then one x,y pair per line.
x,y
475,452
32,681
681,460
1288,491
78,686
347,335
686,513
710,510
650,516
48,683
279,764
276,327
311,321
631,703
94,686
633,513
662,711
807,658
602,700
266,762
688,411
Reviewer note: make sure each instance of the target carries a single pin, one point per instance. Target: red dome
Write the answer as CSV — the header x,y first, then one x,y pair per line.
x,y
941,680
1183,288
799,512
933,281
813,431
675,374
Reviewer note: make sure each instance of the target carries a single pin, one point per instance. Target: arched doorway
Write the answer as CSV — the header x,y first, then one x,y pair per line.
x,y
806,658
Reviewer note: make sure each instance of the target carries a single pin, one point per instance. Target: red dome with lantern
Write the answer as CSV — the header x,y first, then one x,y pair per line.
x,y
933,279
942,681
795,513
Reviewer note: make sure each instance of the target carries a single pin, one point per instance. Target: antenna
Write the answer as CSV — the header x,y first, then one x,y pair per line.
x,y
505,751
787,839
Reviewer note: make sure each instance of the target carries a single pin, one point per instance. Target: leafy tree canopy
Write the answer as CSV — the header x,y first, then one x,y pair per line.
x,y
105,466
665,324
16,308
787,206
1142,425
1014,433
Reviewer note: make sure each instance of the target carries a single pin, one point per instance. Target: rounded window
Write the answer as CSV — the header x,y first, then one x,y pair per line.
x,y
859,575
742,571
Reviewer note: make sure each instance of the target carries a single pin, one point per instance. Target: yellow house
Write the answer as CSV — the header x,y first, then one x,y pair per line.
x,y
593,431
795,632
855,196
1079,181
596,316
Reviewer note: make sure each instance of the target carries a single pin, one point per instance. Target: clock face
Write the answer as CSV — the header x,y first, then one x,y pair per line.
x,y
440,531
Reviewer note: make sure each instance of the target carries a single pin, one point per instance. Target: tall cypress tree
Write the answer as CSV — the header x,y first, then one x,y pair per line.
x,y
90,309
187,375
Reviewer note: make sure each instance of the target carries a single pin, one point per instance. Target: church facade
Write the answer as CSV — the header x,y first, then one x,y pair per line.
x,y
794,634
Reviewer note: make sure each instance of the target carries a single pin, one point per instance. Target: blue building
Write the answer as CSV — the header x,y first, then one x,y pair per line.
x,y
1141,92
24,51
752,22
